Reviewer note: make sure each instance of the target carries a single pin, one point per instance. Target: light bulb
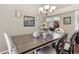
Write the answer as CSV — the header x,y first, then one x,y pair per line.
x,y
53,8
46,7
41,9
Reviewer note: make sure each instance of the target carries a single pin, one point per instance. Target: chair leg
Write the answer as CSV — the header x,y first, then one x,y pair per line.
x,y
35,52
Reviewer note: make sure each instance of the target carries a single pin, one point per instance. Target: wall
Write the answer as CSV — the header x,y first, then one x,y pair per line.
x,y
68,28
76,20
68,11
14,26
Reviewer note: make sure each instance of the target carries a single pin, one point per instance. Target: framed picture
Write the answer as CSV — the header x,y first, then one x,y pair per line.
x,y
29,21
18,13
67,20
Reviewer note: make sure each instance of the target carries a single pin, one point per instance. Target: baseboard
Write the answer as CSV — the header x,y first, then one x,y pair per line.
x,y
4,52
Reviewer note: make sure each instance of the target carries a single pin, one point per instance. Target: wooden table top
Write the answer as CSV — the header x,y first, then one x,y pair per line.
x,y
25,43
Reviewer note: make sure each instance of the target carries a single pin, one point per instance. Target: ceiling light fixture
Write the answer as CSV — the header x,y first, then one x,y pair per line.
x,y
47,9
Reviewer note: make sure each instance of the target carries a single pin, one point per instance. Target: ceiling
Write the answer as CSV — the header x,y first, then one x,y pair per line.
x,y
58,6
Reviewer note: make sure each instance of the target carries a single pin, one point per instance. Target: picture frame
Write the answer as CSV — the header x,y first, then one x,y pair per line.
x,y
67,20
18,13
29,21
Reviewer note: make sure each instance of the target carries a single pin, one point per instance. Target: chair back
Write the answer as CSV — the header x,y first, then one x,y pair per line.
x,y
72,41
8,40
61,43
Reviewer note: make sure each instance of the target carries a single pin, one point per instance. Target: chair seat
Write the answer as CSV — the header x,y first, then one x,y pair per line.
x,y
67,46
47,50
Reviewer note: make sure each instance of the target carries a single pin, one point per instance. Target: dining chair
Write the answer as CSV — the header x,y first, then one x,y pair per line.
x,y
69,46
58,48
10,45
61,43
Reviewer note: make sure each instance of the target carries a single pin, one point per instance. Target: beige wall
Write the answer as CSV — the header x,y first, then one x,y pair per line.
x,y
68,28
14,26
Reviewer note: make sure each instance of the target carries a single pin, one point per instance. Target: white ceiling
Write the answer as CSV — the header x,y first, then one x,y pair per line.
x,y
58,6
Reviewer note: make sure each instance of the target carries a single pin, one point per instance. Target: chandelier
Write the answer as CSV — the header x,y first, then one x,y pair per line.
x,y
47,9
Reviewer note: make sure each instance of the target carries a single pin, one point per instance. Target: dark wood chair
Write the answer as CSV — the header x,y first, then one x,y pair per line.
x,y
72,42
75,41
70,49
59,46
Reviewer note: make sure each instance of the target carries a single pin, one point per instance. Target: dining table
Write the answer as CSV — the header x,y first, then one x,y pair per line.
x,y
27,43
